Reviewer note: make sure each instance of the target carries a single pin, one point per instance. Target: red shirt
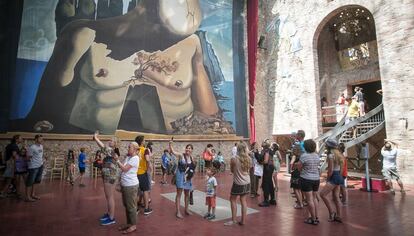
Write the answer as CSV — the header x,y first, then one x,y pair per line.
x,y
345,168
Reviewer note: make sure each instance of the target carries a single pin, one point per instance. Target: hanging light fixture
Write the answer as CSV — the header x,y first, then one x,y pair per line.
x,y
349,21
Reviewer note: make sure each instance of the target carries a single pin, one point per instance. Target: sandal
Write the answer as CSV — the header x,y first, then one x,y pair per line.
x,y
338,219
402,191
179,216
297,206
332,217
36,197
230,223
310,221
29,200
129,230
123,227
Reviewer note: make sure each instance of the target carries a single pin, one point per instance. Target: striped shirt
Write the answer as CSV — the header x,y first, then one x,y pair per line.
x,y
310,168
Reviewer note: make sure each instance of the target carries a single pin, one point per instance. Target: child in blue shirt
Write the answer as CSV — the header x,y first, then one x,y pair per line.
x,y
165,160
82,166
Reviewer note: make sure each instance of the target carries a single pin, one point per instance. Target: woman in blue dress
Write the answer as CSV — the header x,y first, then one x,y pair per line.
x,y
183,176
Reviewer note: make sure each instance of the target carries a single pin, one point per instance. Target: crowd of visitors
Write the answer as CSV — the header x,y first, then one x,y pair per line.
x,y
251,168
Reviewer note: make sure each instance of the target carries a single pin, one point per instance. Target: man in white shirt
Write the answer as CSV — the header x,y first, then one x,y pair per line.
x,y
35,167
234,150
389,165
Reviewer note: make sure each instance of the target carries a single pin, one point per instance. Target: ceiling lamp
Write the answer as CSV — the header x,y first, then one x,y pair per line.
x,y
349,21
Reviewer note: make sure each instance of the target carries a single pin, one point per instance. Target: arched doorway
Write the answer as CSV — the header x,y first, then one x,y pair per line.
x,y
346,56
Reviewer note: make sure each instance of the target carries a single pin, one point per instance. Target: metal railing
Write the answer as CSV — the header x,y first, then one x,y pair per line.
x,y
365,127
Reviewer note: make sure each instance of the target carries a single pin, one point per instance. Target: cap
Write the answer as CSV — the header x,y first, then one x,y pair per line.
x,y
331,143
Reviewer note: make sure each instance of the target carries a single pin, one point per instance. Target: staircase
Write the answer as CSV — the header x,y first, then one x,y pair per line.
x,y
366,127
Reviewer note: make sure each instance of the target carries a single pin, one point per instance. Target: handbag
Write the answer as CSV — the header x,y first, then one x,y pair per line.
x,y
191,201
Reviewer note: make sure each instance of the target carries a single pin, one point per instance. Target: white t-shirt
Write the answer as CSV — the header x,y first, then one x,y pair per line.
x,y
234,151
389,158
36,153
130,178
258,168
211,183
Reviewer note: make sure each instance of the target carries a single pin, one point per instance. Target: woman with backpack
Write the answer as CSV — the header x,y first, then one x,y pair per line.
x,y
183,177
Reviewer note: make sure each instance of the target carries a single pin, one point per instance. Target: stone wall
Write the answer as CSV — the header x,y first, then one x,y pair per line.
x,y
59,148
266,77
292,64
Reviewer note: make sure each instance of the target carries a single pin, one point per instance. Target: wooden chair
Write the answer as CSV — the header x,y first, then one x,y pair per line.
x,y
95,172
201,164
58,168
157,167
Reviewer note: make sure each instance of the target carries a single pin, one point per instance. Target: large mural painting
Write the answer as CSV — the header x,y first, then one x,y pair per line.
x,y
154,66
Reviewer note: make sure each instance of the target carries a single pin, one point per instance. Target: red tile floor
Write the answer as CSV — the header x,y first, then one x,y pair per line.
x,y
66,210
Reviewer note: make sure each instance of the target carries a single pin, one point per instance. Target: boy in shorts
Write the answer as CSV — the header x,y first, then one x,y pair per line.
x,y
211,189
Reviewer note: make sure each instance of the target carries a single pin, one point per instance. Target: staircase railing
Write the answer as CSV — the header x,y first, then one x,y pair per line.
x,y
366,126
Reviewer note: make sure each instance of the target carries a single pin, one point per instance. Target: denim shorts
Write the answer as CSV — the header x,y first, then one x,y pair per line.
x,y
35,176
336,178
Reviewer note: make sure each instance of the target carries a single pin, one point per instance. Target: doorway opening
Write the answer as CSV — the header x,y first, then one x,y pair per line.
x,y
347,56
372,94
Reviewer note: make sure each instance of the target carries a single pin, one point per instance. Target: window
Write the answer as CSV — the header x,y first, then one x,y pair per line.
x,y
358,56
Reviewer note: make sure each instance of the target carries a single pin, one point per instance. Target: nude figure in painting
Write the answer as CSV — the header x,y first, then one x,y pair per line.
x,y
94,63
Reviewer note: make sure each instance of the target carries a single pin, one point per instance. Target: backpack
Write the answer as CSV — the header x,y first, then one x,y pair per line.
x,y
216,165
259,157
